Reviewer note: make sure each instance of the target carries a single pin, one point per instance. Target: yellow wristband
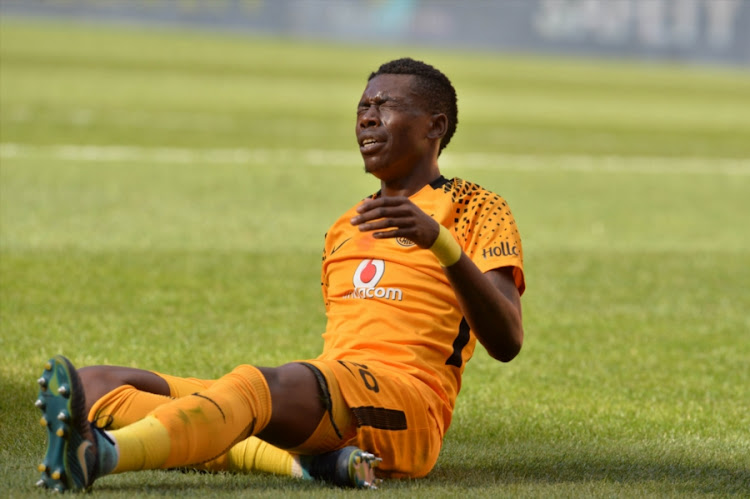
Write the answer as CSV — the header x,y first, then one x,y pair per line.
x,y
445,248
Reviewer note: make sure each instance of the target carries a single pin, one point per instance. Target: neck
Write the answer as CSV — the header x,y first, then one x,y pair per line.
x,y
411,184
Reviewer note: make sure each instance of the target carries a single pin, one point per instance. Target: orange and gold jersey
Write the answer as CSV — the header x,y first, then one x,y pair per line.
x,y
389,301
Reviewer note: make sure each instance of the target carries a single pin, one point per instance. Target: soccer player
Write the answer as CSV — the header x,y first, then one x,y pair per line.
x,y
411,277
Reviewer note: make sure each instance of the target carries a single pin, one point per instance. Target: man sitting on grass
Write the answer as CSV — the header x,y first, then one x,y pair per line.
x,y
412,276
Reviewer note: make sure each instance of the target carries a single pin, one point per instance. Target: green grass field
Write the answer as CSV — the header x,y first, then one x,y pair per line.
x,y
163,200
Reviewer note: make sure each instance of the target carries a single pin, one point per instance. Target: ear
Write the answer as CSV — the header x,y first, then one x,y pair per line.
x,y
438,126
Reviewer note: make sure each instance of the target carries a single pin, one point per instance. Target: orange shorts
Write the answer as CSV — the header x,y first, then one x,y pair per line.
x,y
396,415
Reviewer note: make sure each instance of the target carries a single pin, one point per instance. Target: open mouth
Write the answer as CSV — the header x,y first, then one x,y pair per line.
x,y
369,145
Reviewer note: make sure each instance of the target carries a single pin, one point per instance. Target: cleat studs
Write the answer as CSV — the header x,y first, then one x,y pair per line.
x,y
64,391
40,404
40,483
357,459
63,416
42,383
48,366
60,432
56,475
42,467
59,489
43,421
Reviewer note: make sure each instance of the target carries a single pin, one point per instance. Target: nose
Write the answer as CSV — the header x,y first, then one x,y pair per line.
x,y
369,118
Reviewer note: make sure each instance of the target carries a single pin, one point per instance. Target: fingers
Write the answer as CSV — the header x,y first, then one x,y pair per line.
x,y
374,205
382,221
388,227
370,210
405,225
368,204
396,217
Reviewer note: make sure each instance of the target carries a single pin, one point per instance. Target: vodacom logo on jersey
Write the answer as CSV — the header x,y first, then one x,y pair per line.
x,y
366,279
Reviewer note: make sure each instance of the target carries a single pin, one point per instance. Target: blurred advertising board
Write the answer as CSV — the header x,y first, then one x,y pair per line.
x,y
696,31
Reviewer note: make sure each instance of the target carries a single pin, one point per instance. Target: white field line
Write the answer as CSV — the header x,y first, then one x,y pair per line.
x,y
340,158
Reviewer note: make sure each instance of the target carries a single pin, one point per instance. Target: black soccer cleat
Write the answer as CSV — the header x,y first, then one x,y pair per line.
x,y
72,458
347,467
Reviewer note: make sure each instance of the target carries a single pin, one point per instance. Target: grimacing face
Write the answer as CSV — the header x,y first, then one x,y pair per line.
x,y
392,126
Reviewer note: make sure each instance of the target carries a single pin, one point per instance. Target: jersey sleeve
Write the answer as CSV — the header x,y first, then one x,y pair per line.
x,y
490,235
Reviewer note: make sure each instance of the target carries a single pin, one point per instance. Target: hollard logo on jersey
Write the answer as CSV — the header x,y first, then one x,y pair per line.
x,y
366,279
504,249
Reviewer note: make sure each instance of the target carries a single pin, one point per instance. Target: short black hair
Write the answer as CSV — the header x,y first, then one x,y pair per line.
x,y
432,84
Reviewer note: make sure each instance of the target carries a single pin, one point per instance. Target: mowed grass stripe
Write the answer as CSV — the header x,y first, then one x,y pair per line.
x,y
341,158
78,85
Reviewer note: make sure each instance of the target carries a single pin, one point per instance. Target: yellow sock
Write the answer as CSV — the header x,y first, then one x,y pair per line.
x,y
250,455
123,406
126,404
197,428
182,387
205,425
254,454
143,445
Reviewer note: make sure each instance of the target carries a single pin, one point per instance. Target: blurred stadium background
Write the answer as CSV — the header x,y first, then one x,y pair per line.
x,y
708,31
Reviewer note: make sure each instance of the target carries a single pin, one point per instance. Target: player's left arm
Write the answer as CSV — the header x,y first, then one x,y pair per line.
x,y
489,301
491,304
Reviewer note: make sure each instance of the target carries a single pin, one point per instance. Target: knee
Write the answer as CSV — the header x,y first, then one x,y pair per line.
x,y
100,380
291,383
296,406
294,392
